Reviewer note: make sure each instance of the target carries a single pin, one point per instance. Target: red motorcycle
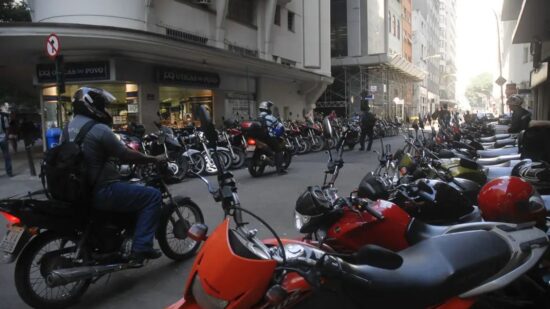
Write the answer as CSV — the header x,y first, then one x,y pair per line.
x,y
235,269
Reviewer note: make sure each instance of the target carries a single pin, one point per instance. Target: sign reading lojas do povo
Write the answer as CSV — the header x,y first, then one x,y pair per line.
x,y
75,71
187,77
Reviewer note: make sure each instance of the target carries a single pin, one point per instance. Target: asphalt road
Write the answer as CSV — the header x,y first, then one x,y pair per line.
x,y
272,197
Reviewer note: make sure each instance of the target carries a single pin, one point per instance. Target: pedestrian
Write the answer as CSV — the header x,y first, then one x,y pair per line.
x,y
13,131
368,120
4,125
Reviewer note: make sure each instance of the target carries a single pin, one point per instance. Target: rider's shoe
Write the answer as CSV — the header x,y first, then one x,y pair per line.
x,y
137,259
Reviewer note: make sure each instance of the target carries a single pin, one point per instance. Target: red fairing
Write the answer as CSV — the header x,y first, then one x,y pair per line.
x,y
234,131
356,229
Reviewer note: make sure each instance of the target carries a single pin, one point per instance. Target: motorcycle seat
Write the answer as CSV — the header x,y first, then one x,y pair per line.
x,y
433,271
505,142
497,171
494,138
491,153
446,154
419,231
498,160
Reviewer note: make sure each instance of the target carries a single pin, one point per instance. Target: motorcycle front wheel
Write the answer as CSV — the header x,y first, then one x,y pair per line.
x,y
197,163
239,158
174,223
47,252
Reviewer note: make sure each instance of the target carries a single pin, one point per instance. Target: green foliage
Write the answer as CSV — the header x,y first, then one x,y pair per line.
x,y
480,86
14,11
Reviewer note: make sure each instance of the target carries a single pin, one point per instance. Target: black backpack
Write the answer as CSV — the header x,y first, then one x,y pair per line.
x,y
64,175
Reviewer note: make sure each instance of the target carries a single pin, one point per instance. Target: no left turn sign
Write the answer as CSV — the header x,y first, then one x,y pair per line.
x,y
53,46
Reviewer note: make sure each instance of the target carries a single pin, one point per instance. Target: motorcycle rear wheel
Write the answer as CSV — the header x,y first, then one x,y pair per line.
x,y
256,167
30,288
239,159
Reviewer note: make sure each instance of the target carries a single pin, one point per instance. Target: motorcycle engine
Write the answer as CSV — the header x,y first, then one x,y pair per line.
x,y
107,238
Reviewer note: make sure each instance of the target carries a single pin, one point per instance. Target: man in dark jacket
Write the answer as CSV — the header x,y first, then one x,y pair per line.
x,y
368,120
520,116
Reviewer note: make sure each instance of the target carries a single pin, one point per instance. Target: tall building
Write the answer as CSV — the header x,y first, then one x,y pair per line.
x,y
517,60
369,59
426,37
447,50
171,55
529,20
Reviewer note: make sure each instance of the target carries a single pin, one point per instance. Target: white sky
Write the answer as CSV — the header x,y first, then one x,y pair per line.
x,y
476,41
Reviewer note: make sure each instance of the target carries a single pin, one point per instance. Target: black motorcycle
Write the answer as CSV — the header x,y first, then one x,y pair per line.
x,y
62,248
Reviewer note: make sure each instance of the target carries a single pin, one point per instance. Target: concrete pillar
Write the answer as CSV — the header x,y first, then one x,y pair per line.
x,y
218,97
149,103
221,15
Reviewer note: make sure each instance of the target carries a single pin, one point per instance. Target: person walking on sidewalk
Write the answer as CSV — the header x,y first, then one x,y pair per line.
x,y
368,120
13,131
4,125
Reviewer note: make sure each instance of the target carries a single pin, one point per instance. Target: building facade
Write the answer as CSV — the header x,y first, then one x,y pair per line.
x,y
426,54
447,50
170,55
529,19
369,65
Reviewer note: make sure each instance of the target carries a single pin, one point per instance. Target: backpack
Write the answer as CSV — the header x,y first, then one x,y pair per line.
x,y
63,174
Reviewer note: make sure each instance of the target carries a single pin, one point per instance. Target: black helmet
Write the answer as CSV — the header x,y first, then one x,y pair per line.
x,y
373,188
93,103
311,207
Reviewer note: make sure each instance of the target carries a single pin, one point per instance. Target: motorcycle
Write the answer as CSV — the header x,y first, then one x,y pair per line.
x,y
61,249
259,153
235,269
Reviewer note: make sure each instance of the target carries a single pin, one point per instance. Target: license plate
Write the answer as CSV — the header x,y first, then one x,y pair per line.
x,y
11,239
250,148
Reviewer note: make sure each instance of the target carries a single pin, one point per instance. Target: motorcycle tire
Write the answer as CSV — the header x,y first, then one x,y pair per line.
x,y
25,285
287,158
197,165
226,159
308,146
256,167
173,229
318,144
239,159
301,147
182,168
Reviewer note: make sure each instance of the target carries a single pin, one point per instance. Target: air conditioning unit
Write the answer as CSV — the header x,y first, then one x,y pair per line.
x,y
203,1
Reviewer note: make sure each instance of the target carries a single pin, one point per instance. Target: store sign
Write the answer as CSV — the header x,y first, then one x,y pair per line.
x,y
187,77
75,71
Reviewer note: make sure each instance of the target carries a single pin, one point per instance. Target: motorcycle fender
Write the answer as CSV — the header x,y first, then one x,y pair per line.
x,y
190,152
222,149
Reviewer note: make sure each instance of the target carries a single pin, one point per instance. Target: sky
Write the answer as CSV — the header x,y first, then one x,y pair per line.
x,y
476,41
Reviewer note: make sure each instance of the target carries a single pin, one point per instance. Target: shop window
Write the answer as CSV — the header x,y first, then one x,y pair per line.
x,y
177,104
291,25
277,15
242,11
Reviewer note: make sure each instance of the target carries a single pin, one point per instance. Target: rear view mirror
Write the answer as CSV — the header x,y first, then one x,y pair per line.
x,y
327,128
206,123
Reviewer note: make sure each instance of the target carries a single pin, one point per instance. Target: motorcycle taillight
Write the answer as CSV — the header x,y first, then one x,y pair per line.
x,y
11,218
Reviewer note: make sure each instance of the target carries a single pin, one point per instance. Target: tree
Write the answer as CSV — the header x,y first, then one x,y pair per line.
x,y
14,11
481,86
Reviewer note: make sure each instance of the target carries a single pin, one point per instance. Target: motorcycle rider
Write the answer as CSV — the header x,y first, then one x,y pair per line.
x,y
274,130
99,147
520,116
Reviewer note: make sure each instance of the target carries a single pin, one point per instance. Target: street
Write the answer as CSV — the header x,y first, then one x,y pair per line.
x,y
161,282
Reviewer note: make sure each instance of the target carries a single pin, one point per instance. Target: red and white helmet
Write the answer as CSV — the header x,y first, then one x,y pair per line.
x,y
511,199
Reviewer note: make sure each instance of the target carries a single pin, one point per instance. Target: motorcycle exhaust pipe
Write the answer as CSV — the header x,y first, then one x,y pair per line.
x,y
67,275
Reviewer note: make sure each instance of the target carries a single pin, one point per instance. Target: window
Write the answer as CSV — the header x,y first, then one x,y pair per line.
x,y
242,11
277,15
398,30
291,21
393,22
389,22
525,54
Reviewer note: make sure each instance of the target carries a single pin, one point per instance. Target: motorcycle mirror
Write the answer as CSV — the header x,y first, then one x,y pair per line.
x,y
206,123
377,256
327,128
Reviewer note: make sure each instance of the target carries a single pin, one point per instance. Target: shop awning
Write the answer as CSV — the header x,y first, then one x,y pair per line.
x,y
533,21
397,62
23,43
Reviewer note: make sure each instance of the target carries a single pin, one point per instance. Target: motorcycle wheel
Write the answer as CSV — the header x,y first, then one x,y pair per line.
x,y
318,144
198,164
182,168
239,159
172,233
301,147
33,266
256,167
287,158
209,167
227,161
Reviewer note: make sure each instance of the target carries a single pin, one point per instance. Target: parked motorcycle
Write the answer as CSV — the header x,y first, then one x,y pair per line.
x,y
61,249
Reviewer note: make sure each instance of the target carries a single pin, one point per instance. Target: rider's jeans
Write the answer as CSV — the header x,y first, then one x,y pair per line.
x,y
6,153
125,197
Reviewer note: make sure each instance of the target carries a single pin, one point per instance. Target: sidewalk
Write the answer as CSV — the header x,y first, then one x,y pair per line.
x,y
22,182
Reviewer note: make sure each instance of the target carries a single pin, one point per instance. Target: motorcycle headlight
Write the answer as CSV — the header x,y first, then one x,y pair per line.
x,y
205,300
300,220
